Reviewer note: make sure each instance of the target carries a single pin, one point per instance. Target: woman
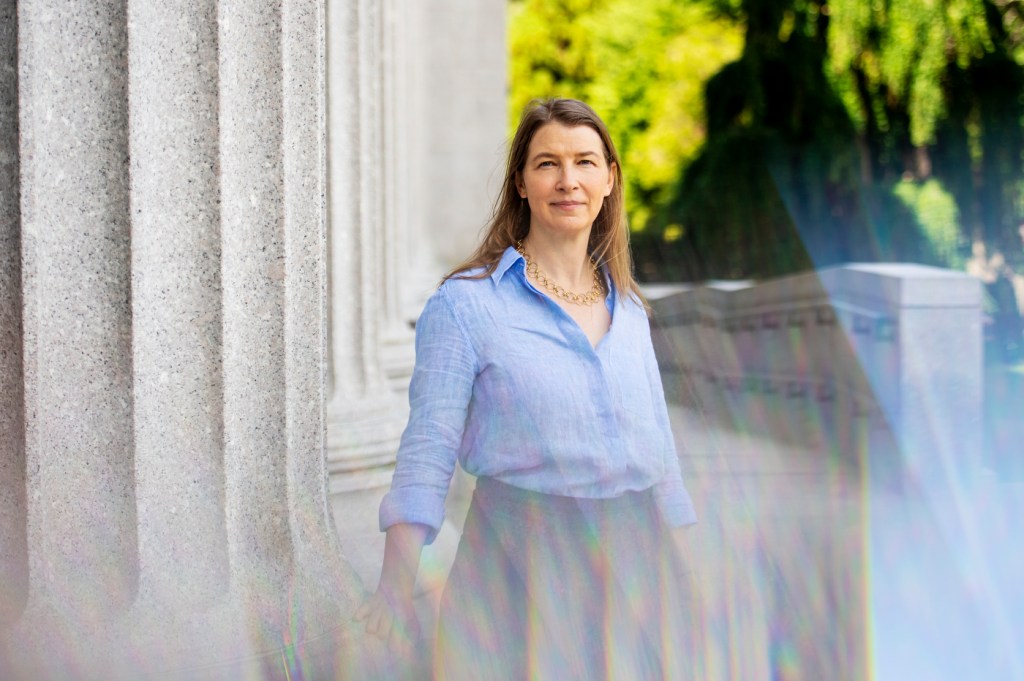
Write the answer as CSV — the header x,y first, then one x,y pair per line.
x,y
535,370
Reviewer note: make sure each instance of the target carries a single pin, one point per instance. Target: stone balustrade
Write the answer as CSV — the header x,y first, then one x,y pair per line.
x,y
879,364
812,401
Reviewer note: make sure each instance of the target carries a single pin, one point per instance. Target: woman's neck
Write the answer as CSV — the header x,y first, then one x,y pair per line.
x,y
565,261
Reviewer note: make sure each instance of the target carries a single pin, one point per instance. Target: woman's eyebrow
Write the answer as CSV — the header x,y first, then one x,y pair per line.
x,y
548,154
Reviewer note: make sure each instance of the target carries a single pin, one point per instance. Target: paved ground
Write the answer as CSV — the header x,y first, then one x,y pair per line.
x,y
805,571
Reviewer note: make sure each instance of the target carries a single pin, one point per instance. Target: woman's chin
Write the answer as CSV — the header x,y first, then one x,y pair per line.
x,y
565,227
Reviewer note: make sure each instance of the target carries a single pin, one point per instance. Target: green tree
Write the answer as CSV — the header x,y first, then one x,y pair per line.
x,y
779,171
935,89
847,125
640,63
826,130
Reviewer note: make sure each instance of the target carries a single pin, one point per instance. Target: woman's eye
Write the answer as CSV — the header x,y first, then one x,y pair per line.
x,y
587,161
546,164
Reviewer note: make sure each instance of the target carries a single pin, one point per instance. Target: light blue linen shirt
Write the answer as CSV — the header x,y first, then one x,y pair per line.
x,y
508,384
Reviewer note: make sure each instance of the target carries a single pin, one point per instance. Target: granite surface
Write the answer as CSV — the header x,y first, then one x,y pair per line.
x,y
325,581
75,231
13,550
164,500
176,303
172,226
252,277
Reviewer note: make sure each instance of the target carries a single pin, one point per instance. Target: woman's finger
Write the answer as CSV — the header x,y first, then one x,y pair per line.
x,y
386,624
363,610
385,620
400,641
373,619
404,634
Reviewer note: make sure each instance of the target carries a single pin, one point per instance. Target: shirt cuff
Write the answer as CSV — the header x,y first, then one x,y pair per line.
x,y
674,504
412,505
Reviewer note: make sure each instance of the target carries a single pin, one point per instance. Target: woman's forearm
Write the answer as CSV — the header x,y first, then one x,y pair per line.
x,y
402,549
389,613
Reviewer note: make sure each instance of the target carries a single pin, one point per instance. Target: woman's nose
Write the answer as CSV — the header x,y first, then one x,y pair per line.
x,y
567,178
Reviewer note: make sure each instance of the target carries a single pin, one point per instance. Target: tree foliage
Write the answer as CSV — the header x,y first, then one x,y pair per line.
x,y
883,130
640,64
883,54
765,136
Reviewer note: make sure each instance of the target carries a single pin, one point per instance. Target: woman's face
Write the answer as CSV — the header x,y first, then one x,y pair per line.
x,y
565,179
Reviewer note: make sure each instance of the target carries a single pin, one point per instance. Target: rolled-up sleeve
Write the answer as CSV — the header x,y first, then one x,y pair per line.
x,y
439,396
673,500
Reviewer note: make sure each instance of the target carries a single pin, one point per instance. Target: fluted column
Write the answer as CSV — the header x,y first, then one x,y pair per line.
x,y
176,301
366,414
415,161
410,269
13,547
77,305
163,483
252,219
324,589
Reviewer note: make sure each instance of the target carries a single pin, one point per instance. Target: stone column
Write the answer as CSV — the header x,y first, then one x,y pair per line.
x,y
76,295
253,276
164,506
176,300
409,270
366,414
13,547
322,581
415,163
287,575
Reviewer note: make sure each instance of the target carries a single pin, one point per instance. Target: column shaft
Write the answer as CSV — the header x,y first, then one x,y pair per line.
x,y
176,296
253,274
13,547
305,231
76,289
348,204
370,227
366,416
405,258
318,553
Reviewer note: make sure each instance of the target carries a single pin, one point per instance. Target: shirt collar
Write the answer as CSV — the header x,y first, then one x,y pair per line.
x,y
508,258
511,256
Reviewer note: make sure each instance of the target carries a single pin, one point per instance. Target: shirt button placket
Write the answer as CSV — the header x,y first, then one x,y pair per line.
x,y
604,399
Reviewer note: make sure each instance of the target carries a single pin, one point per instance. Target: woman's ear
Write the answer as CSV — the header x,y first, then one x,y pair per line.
x,y
611,178
520,185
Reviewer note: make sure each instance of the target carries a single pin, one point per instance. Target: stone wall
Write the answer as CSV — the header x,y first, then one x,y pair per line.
x,y
875,364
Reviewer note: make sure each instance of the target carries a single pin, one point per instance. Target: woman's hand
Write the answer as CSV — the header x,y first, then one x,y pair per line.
x,y
681,543
684,563
392,619
389,613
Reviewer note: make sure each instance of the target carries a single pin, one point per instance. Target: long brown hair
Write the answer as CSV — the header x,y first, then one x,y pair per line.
x,y
510,219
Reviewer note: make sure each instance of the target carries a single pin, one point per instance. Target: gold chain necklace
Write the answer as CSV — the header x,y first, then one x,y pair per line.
x,y
588,298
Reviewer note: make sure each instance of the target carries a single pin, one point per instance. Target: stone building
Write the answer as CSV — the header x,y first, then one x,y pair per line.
x,y
218,220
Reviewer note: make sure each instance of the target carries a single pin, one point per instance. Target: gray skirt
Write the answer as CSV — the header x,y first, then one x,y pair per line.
x,y
551,587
